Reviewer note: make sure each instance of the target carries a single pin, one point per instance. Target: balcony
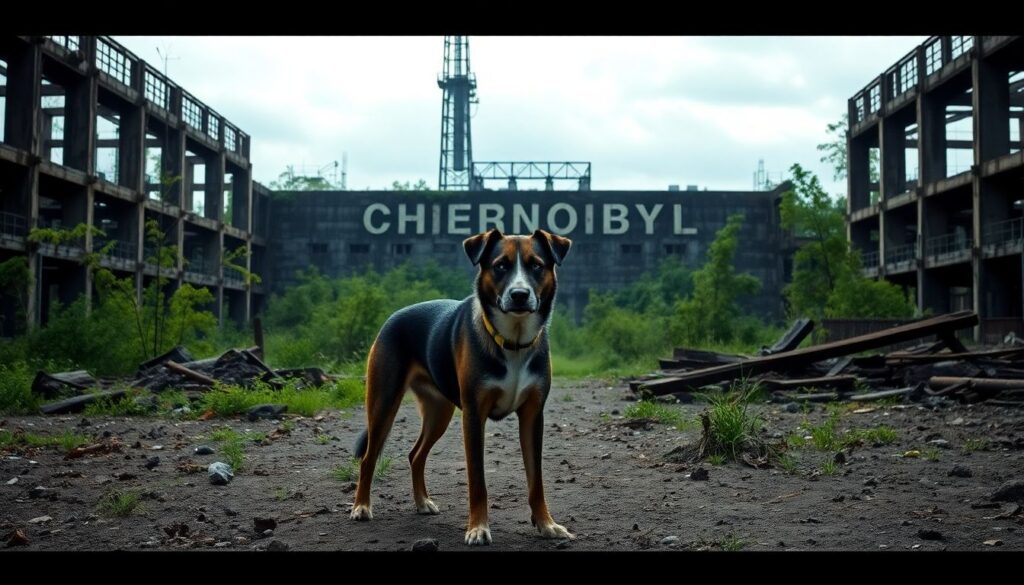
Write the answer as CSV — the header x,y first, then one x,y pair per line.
x,y
900,258
948,249
869,261
1002,238
13,229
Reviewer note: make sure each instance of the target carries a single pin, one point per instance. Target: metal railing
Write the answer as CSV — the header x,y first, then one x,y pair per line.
x,y
233,277
869,259
948,244
1001,232
13,225
121,250
897,254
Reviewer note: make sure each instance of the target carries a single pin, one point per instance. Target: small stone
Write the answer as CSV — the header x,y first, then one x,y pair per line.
x,y
699,474
261,525
792,407
152,462
959,471
636,526
669,540
40,520
277,546
615,412
181,410
220,473
839,498
230,512
913,453
349,487
928,534
41,492
17,538
1011,491
840,458
940,443
84,423
125,476
986,543
957,421
221,544
871,482
12,481
606,456
267,533
425,545
204,450
563,544
267,411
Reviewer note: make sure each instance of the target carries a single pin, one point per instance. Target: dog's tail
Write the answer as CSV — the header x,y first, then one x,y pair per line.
x,y
360,446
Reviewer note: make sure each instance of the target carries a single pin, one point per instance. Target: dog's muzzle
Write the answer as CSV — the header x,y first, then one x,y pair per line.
x,y
519,300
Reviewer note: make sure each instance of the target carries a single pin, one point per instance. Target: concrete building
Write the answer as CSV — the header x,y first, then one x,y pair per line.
x,y
617,235
936,177
93,135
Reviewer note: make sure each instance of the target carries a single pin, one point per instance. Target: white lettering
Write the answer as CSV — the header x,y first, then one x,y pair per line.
x,y
418,217
368,218
619,217
522,223
454,217
553,216
649,216
588,218
492,214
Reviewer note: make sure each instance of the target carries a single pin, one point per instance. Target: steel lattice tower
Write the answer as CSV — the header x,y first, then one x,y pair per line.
x,y
459,86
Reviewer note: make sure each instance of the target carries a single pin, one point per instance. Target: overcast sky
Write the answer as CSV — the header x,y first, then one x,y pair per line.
x,y
646,111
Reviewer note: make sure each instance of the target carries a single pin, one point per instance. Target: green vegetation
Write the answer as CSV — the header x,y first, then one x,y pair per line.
x,y
120,503
350,471
67,441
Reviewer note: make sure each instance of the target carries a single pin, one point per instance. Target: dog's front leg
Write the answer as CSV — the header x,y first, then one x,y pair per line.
x,y
531,441
477,531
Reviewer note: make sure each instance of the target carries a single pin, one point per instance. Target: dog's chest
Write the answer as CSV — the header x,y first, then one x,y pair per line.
x,y
513,387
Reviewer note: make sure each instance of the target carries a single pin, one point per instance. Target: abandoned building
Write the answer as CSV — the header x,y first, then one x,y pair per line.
x,y
94,135
936,177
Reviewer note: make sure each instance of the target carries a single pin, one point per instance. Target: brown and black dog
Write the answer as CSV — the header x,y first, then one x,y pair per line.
x,y
487,354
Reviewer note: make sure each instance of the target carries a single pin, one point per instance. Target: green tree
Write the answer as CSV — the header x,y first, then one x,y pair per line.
x,y
420,185
835,151
711,313
827,277
289,181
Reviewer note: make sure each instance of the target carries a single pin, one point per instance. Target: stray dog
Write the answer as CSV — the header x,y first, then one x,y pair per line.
x,y
487,354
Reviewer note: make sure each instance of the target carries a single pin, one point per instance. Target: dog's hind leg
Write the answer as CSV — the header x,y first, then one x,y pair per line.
x,y
386,381
436,412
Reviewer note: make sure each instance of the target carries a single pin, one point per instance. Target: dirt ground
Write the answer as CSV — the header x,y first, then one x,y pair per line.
x,y
606,482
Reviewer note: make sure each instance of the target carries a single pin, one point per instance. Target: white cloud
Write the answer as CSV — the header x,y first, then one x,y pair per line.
x,y
646,111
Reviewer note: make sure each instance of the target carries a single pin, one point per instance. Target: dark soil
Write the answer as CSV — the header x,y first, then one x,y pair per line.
x,y
605,481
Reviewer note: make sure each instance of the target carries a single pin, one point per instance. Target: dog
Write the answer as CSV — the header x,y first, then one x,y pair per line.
x,y
488,355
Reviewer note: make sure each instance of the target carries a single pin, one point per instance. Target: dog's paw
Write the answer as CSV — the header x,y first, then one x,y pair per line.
x,y
427,507
554,531
362,512
479,536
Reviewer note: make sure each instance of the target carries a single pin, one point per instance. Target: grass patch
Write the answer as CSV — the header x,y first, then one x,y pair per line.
x,y
281,494
16,395
120,503
350,471
226,400
124,406
656,411
731,543
787,463
716,459
878,435
826,437
732,427
567,398
591,366
931,453
975,444
829,467
233,445
323,439
67,441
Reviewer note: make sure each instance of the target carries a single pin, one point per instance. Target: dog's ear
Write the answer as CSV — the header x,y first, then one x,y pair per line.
x,y
556,246
478,245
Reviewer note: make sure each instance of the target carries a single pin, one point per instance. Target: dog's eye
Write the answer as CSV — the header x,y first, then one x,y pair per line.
x,y
501,267
537,267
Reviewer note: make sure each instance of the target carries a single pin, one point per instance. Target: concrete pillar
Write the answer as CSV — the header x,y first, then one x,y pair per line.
x,y
80,107
24,91
931,137
213,202
892,157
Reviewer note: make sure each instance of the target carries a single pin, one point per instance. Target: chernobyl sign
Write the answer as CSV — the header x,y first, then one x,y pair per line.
x,y
465,219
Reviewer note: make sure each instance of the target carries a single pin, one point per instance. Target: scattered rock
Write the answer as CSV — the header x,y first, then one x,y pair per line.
x,y
699,474
267,411
986,543
840,458
180,529
606,456
84,423
181,410
839,498
204,450
940,443
928,534
42,492
425,545
261,525
220,473
152,462
959,471
221,544
957,421
670,540
40,520
792,407
615,412
230,512
1011,491
912,453
17,538
349,487
563,544
12,481
125,476
871,482
277,546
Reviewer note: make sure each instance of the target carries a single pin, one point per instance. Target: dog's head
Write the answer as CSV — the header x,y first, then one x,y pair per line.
x,y
517,273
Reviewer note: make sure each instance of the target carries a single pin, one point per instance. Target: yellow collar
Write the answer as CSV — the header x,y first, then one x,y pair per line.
x,y
509,345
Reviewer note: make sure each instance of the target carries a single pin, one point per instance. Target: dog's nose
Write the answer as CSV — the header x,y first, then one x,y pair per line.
x,y
519,295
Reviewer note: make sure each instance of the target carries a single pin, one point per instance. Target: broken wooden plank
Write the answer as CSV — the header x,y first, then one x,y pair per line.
x,y
179,354
78,403
804,357
983,384
897,357
706,357
837,382
795,397
189,373
790,340
840,365
879,395
51,385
